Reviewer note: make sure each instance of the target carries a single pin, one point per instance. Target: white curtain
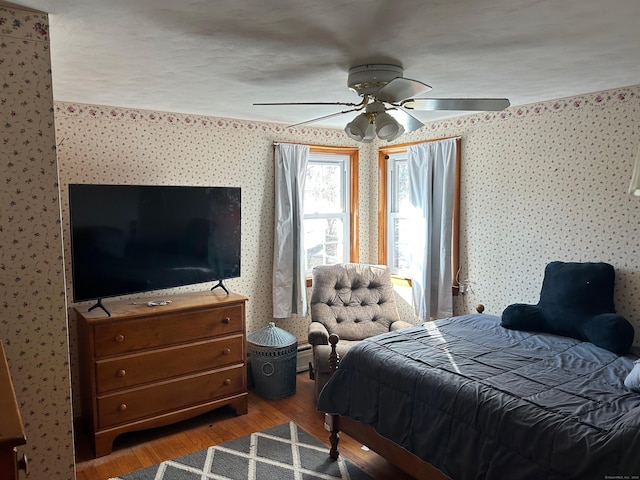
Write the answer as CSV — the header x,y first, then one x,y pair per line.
x,y
289,280
432,170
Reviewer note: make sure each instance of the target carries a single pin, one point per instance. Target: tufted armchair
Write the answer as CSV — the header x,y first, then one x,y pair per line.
x,y
354,301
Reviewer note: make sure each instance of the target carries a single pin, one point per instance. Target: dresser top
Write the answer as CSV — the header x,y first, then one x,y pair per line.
x,y
121,309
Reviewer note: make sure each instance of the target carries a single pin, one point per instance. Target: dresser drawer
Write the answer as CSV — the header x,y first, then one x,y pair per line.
x,y
169,329
169,396
137,369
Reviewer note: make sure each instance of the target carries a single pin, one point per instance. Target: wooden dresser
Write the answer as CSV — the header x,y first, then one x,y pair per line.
x,y
148,366
11,428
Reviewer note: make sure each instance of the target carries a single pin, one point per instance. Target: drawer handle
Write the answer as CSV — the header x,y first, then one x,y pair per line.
x,y
121,373
226,351
119,338
226,320
122,407
227,381
23,464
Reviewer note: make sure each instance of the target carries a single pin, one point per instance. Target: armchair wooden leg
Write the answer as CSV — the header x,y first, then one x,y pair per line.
x,y
312,375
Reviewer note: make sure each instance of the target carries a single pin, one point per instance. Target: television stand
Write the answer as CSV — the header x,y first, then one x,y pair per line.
x,y
99,304
221,285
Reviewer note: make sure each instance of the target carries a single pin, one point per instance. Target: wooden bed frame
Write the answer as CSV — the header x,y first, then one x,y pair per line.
x,y
367,435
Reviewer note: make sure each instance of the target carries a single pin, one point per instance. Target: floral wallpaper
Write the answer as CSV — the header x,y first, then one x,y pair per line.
x,y
98,144
539,182
33,324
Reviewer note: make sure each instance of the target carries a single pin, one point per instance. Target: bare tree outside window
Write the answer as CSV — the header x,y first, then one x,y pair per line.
x,y
398,214
326,210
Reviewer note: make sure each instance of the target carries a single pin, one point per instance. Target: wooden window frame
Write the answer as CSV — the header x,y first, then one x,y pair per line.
x,y
354,216
383,152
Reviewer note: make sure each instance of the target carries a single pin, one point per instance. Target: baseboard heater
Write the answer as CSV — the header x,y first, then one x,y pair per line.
x,y
305,354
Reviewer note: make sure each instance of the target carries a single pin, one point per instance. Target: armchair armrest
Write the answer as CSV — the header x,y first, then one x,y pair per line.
x,y
397,325
318,334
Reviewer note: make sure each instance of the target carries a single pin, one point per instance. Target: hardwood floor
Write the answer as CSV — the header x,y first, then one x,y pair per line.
x,y
132,451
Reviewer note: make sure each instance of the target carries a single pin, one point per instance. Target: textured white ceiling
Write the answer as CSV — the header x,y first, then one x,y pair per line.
x,y
218,57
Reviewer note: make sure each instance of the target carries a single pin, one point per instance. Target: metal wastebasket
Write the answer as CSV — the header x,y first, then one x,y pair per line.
x,y
273,356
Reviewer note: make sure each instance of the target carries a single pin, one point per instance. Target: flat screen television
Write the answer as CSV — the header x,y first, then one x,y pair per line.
x,y
128,239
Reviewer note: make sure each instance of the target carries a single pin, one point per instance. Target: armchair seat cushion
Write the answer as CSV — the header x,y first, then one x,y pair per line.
x,y
400,324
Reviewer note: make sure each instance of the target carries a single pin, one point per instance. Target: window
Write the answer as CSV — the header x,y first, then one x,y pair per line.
x,y
393,198
330,207
397,208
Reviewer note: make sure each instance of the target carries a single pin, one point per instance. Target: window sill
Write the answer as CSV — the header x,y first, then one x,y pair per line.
x,y
406,282
401,281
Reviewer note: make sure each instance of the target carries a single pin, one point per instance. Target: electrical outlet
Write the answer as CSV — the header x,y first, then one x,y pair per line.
x,y
462,288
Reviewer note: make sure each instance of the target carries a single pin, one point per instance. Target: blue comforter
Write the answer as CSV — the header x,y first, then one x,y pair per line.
x,y
479,401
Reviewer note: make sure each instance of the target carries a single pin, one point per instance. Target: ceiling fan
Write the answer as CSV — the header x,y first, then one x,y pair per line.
x,y
386,98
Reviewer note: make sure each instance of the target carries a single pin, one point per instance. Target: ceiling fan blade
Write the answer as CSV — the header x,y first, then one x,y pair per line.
x,y
462,104
325,117
400,88
312,103
408,121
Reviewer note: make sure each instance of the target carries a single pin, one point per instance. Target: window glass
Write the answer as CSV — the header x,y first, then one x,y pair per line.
x,y
324,241
398,207
323,188
326,210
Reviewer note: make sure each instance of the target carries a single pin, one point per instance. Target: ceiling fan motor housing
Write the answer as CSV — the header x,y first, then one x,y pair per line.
x,y
367,79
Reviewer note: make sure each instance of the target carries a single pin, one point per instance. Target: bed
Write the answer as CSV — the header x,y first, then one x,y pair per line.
x,y
465,398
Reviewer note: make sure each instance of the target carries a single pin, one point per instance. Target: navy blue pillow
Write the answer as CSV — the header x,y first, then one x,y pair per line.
x,y
576,301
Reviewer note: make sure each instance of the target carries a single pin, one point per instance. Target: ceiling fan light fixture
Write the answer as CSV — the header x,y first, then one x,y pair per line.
x,y
387,128
370,135
357,128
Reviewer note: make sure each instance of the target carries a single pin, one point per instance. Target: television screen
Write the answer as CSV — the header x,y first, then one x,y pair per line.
x,y
135,238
